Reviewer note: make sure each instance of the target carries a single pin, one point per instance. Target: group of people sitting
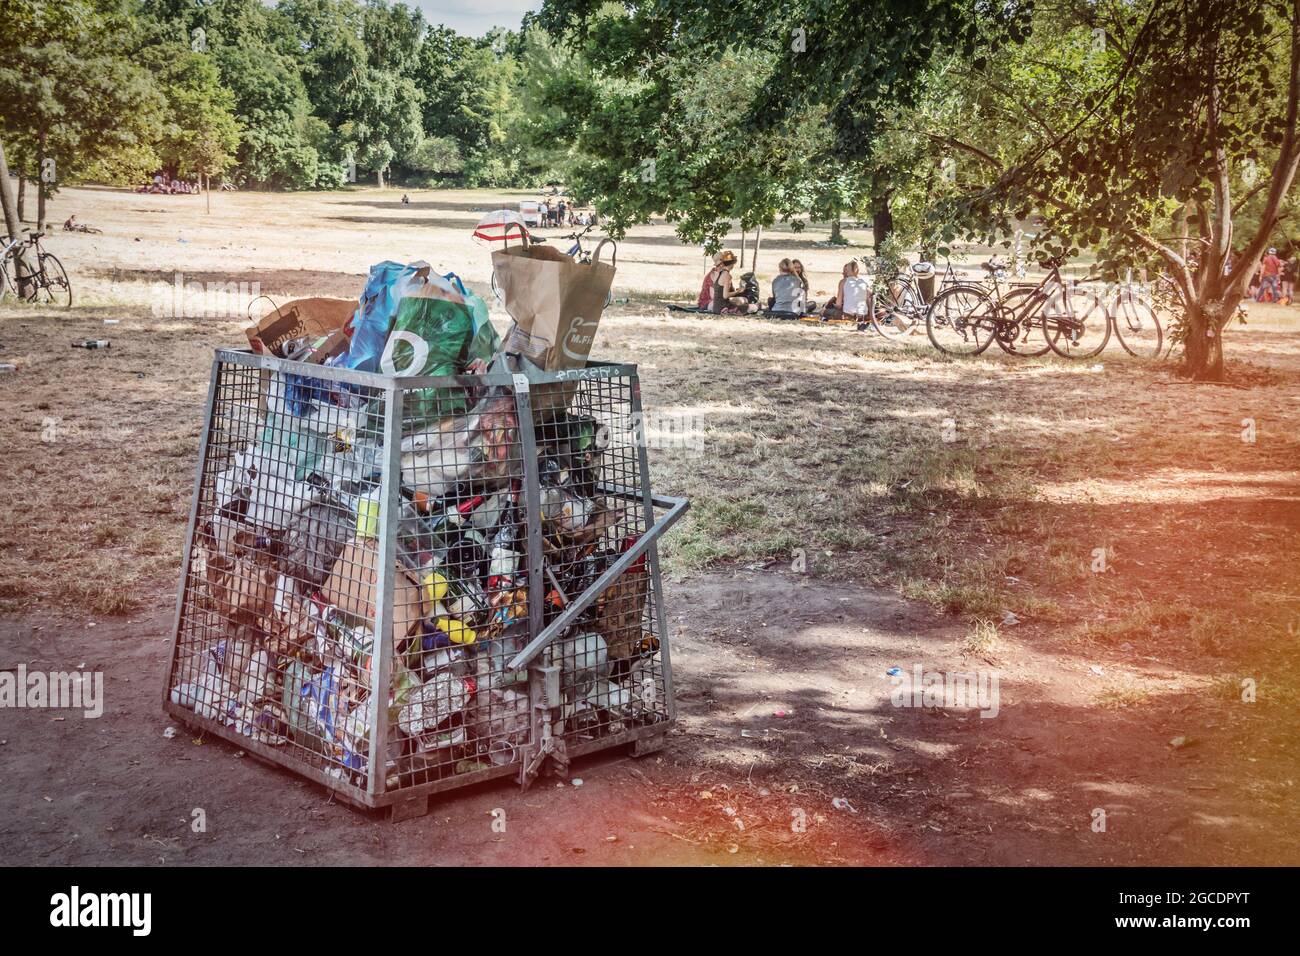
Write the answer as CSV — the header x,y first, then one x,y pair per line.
x,y
721,294
160,186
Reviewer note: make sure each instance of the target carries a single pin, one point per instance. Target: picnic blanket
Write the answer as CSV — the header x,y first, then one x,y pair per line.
x,y
762,313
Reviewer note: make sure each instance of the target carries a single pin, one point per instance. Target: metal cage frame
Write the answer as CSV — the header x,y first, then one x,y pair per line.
x,y
544,694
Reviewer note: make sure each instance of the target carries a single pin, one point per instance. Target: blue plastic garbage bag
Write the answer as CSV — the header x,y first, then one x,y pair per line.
x,y
388,284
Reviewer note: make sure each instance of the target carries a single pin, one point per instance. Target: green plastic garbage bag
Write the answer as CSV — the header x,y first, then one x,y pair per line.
x,y
438,330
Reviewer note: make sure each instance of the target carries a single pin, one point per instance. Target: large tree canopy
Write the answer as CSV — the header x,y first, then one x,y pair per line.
x,y
712,112
1150,132
1160,132
70,98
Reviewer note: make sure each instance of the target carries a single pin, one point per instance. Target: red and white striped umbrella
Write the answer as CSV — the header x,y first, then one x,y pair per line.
x,y
501,225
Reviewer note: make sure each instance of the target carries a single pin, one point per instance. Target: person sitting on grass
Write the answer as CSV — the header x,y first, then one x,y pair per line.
x,y
850,300
727,297
787,291
796,267
705,299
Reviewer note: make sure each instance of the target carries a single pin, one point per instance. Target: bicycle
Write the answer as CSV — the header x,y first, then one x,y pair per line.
x,y
965,319
577,252
1134,320
898,304
46,284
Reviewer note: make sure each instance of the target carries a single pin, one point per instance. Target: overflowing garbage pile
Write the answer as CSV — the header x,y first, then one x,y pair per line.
x,y
278,638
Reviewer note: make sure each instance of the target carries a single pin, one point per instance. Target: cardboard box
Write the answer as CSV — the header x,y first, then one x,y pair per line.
x,y
312,318
352,589
241,591
320,319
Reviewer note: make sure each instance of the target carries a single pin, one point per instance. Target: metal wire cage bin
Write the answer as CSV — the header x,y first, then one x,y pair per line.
x,y
396,586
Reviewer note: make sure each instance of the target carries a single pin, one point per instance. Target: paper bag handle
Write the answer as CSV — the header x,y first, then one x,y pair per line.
x,y
613,259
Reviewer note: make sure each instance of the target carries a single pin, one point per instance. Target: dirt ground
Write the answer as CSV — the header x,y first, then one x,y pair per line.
x,y
857,506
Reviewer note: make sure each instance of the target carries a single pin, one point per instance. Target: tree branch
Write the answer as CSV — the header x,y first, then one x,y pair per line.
x,y
967,147
1284,169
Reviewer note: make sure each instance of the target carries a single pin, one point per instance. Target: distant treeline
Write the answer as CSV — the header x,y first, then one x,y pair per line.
x,y
302,94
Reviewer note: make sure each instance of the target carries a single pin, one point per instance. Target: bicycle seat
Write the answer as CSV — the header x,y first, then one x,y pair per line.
x,y
992,266
35,235
923,268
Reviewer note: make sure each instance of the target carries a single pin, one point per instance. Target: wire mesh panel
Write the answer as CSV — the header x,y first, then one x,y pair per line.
x,y
378,567
277,626
593,510
460,541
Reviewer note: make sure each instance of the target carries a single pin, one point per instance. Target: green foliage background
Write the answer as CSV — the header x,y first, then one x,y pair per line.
x,y
290,95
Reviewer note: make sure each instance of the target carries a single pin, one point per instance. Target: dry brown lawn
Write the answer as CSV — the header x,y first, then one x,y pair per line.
x,y
988,489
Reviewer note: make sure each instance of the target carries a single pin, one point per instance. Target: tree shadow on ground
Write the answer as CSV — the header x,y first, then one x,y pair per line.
x,y
1022,786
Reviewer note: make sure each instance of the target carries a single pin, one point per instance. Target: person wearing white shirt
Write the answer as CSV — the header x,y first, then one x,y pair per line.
x,y
851,298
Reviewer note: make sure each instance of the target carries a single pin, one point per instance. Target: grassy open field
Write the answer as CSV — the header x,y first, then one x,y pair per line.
x,y
1121,546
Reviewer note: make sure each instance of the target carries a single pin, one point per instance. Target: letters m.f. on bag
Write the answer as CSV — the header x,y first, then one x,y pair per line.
x,y
556,303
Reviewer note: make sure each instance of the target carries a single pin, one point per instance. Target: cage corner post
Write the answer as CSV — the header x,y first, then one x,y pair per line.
x,y
381,659
543,677
656,577
187,555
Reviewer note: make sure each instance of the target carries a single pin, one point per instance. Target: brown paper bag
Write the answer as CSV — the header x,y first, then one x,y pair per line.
x,y
556,303
620,611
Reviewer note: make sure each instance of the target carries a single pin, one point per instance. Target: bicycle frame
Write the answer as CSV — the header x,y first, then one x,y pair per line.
x,y
576,251
1044,291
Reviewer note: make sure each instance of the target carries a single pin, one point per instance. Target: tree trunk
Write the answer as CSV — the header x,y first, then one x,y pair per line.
x,y
1203,350
207,191
837,236
12,224
758,241
22,196
379,177
882,220
40,183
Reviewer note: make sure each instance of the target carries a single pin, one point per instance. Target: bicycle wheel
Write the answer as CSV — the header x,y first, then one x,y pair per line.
x,y
1076,325
52,285
496,290
1023,336
7,288
960,320
896,310
1137,326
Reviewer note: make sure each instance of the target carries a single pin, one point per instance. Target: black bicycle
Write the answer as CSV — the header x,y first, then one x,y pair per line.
x,y
899,296
1025,320
30,274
